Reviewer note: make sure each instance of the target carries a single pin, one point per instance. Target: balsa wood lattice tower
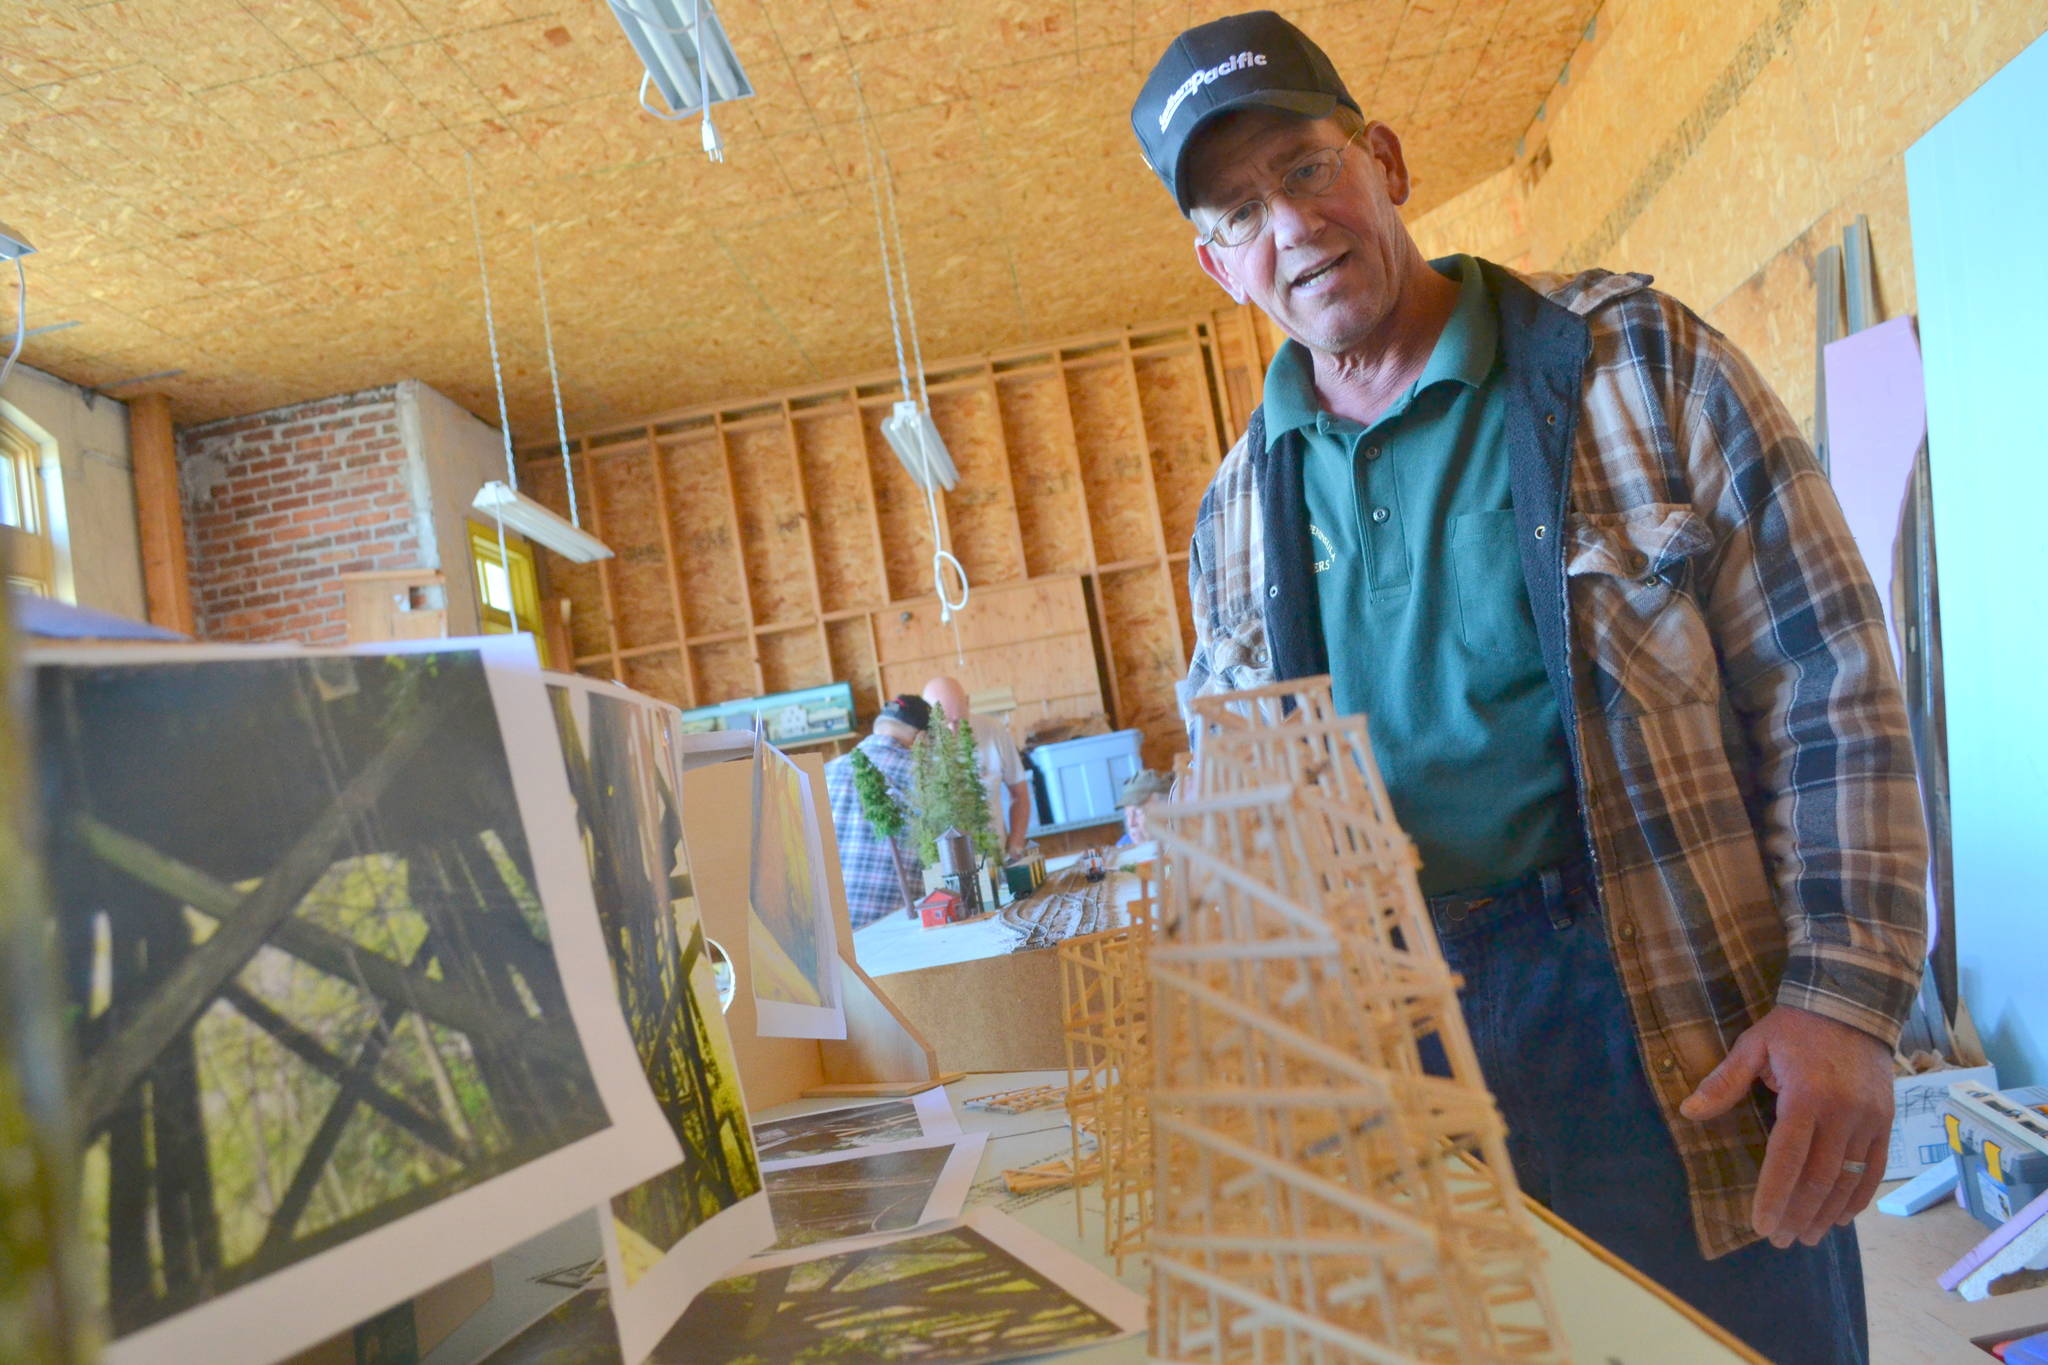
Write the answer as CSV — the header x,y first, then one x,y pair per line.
x,y
1318,1197
1109,1071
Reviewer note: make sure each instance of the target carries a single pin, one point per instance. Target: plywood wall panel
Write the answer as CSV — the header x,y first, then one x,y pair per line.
x,y
577,582
633,528
1143,637
835,472
791,659
1019,612
1032,638
1180,437
772,539
980,513
1045,469
659,675
900,505
851,653
1113,462
707,542
725,671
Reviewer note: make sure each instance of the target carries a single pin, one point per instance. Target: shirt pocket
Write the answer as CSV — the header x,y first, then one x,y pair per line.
x,y
1635,618
1493,601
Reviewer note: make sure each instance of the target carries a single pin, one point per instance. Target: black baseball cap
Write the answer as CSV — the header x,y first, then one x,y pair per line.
x,y
915,712
1240,62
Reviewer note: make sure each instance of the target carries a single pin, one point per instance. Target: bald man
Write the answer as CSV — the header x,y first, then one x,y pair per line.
x,y
996,757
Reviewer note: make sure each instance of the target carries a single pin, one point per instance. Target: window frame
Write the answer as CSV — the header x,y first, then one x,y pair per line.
x,y
522,575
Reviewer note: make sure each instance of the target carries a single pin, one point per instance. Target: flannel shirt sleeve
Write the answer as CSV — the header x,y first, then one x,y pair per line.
x,y
1808,669
1202,610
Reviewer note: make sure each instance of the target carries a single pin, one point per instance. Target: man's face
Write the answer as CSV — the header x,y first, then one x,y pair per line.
x,y
1329,269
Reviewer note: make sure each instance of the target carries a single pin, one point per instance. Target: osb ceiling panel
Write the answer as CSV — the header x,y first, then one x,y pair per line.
x,y
268,196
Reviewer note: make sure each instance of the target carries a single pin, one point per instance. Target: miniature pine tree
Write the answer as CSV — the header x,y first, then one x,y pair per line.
x,y
880,807
929,817
973,796
947,790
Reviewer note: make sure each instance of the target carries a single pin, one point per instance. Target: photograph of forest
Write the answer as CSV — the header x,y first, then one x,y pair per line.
x,y
944,1298
858,1197
837,1130
310,979
623,782
792,947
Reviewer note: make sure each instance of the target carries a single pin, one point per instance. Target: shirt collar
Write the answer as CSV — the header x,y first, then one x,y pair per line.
x,y
1463,354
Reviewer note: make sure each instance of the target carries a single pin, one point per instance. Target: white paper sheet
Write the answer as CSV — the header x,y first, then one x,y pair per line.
x,y
1032,1287
855,1128
626,744
951,1163
792,949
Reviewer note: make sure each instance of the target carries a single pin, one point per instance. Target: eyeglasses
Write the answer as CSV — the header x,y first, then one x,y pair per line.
x,y
1315,174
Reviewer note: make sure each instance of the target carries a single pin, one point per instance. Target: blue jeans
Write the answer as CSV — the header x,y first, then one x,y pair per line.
x,y
1556,1042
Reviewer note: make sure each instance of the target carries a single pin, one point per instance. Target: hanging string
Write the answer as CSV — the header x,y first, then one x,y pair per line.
x,y
882,237
547,330
881,182
476,229
909,304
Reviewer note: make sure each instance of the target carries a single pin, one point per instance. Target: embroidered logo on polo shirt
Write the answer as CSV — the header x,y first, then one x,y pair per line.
x,y
1329,550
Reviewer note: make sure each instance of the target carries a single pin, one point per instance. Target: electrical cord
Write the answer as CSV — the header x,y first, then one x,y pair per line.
x,y
20,318
714,146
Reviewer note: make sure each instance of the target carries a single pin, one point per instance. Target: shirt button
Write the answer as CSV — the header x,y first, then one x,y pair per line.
x,y
1542,531
1627,930
1653,580
1667,1064
1273,591
1379,514
1259,655
1372,452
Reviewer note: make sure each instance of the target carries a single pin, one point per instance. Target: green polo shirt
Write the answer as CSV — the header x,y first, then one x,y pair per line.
x,y
1419,587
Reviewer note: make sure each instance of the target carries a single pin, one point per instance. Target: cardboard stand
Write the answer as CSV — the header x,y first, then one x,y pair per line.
x,y
883,1054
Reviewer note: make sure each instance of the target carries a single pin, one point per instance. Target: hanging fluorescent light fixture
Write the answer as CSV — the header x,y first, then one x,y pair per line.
x,y
916,442
539,523
688,59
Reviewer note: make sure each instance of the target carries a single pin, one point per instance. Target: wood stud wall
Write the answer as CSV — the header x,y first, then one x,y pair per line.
x,y
776,543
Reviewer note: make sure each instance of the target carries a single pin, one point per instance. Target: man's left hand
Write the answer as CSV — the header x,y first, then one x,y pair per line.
x,y
1834,1088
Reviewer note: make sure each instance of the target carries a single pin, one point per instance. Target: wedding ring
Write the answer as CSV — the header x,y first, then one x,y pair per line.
x,y
1854,1167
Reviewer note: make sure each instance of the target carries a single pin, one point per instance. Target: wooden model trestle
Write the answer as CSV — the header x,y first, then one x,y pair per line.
x,y
1318,1197
1109,1071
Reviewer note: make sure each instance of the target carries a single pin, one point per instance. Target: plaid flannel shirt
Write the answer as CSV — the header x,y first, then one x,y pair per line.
x,y
1740,747
872,889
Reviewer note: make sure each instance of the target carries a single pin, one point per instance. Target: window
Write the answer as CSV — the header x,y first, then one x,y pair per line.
x,y
27,549
508,594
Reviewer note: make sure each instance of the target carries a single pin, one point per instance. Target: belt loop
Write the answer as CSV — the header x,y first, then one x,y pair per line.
x,y
1554,902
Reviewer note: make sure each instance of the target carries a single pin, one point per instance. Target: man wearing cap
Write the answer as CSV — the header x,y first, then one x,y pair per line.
x,y
1628,685
880,874
1140,790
